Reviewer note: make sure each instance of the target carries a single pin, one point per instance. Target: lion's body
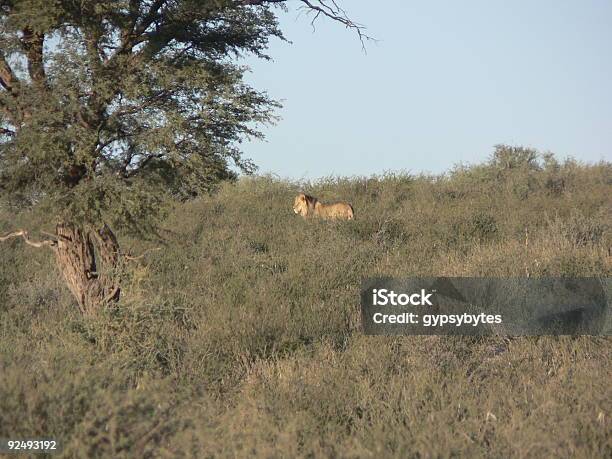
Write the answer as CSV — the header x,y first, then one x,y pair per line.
x,y
309,206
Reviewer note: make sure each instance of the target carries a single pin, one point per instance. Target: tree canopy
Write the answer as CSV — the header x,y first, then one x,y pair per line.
x,y
108,105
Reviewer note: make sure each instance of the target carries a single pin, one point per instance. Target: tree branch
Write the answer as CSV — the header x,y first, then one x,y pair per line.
x,y
131,35
26,238
8,79
328,8
32,43
141,165
93,50
149,18
5,131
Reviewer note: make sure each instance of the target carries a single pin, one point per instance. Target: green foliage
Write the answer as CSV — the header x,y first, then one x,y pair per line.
x,y
242,336
109,107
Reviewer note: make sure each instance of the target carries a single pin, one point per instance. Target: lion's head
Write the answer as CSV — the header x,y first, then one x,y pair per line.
x,y
301,204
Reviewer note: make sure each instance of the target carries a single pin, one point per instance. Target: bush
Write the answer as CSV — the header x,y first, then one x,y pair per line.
x,y
242,336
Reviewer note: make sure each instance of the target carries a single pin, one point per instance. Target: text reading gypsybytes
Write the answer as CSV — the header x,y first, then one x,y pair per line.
x,y
384,297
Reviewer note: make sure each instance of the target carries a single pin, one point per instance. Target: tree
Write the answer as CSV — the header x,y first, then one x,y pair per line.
x,y
108,107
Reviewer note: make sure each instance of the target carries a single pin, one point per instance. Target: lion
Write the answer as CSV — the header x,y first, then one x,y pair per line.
x,y
309,206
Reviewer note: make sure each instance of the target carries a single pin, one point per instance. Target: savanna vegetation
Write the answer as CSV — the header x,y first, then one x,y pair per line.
x,y
110,108
241,336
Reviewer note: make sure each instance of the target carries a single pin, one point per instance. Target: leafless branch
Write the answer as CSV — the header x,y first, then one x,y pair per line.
x,y
26,238
54,236
328,8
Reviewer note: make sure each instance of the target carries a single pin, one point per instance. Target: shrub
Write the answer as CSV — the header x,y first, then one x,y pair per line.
x,y
242,336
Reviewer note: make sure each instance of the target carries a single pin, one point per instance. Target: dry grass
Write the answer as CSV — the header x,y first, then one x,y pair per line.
x,y
242,337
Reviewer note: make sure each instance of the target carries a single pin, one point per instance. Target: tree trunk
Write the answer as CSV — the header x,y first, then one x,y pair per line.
x,y
89,260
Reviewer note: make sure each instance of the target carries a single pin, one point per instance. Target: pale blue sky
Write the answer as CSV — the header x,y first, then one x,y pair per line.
x,y
446,82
